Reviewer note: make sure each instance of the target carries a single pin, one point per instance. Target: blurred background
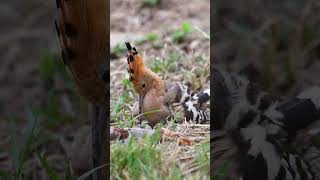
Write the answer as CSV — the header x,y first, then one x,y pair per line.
x,y
274,43
35,86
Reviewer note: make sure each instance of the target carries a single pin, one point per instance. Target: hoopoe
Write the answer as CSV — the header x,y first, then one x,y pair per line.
x,y
83,30
158,98
289,125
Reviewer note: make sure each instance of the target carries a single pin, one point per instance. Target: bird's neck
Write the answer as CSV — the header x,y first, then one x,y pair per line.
x,y
155,81
152,81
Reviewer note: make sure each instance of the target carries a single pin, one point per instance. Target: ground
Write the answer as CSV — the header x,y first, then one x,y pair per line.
x,y
173,37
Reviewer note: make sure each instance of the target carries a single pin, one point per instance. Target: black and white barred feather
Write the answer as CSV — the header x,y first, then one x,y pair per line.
x,y
251,154
239,105
245,105
194,105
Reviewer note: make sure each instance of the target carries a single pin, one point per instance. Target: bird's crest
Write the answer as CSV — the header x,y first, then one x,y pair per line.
x,y
142,78
83,30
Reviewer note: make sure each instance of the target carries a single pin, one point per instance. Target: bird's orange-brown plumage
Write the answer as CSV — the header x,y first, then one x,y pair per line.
x,y
158,98
148,85
142,78
83,29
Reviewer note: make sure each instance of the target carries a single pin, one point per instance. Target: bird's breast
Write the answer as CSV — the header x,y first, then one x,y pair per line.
x,y
154,108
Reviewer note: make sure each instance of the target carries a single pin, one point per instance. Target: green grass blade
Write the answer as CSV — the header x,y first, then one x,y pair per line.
x,y
5,175
67,172
25,149
219,172
49,170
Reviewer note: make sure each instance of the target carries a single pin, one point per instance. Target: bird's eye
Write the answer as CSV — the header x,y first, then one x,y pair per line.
x,y
143,85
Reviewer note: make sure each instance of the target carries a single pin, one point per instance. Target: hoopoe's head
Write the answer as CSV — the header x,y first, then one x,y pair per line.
x,y
142,78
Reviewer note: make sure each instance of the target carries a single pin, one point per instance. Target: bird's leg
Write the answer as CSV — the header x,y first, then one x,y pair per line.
x,y
100,141
140,109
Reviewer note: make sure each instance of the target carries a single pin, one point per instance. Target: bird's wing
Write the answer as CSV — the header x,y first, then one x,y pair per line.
x,y
83,30
194,105
163,95
239,103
